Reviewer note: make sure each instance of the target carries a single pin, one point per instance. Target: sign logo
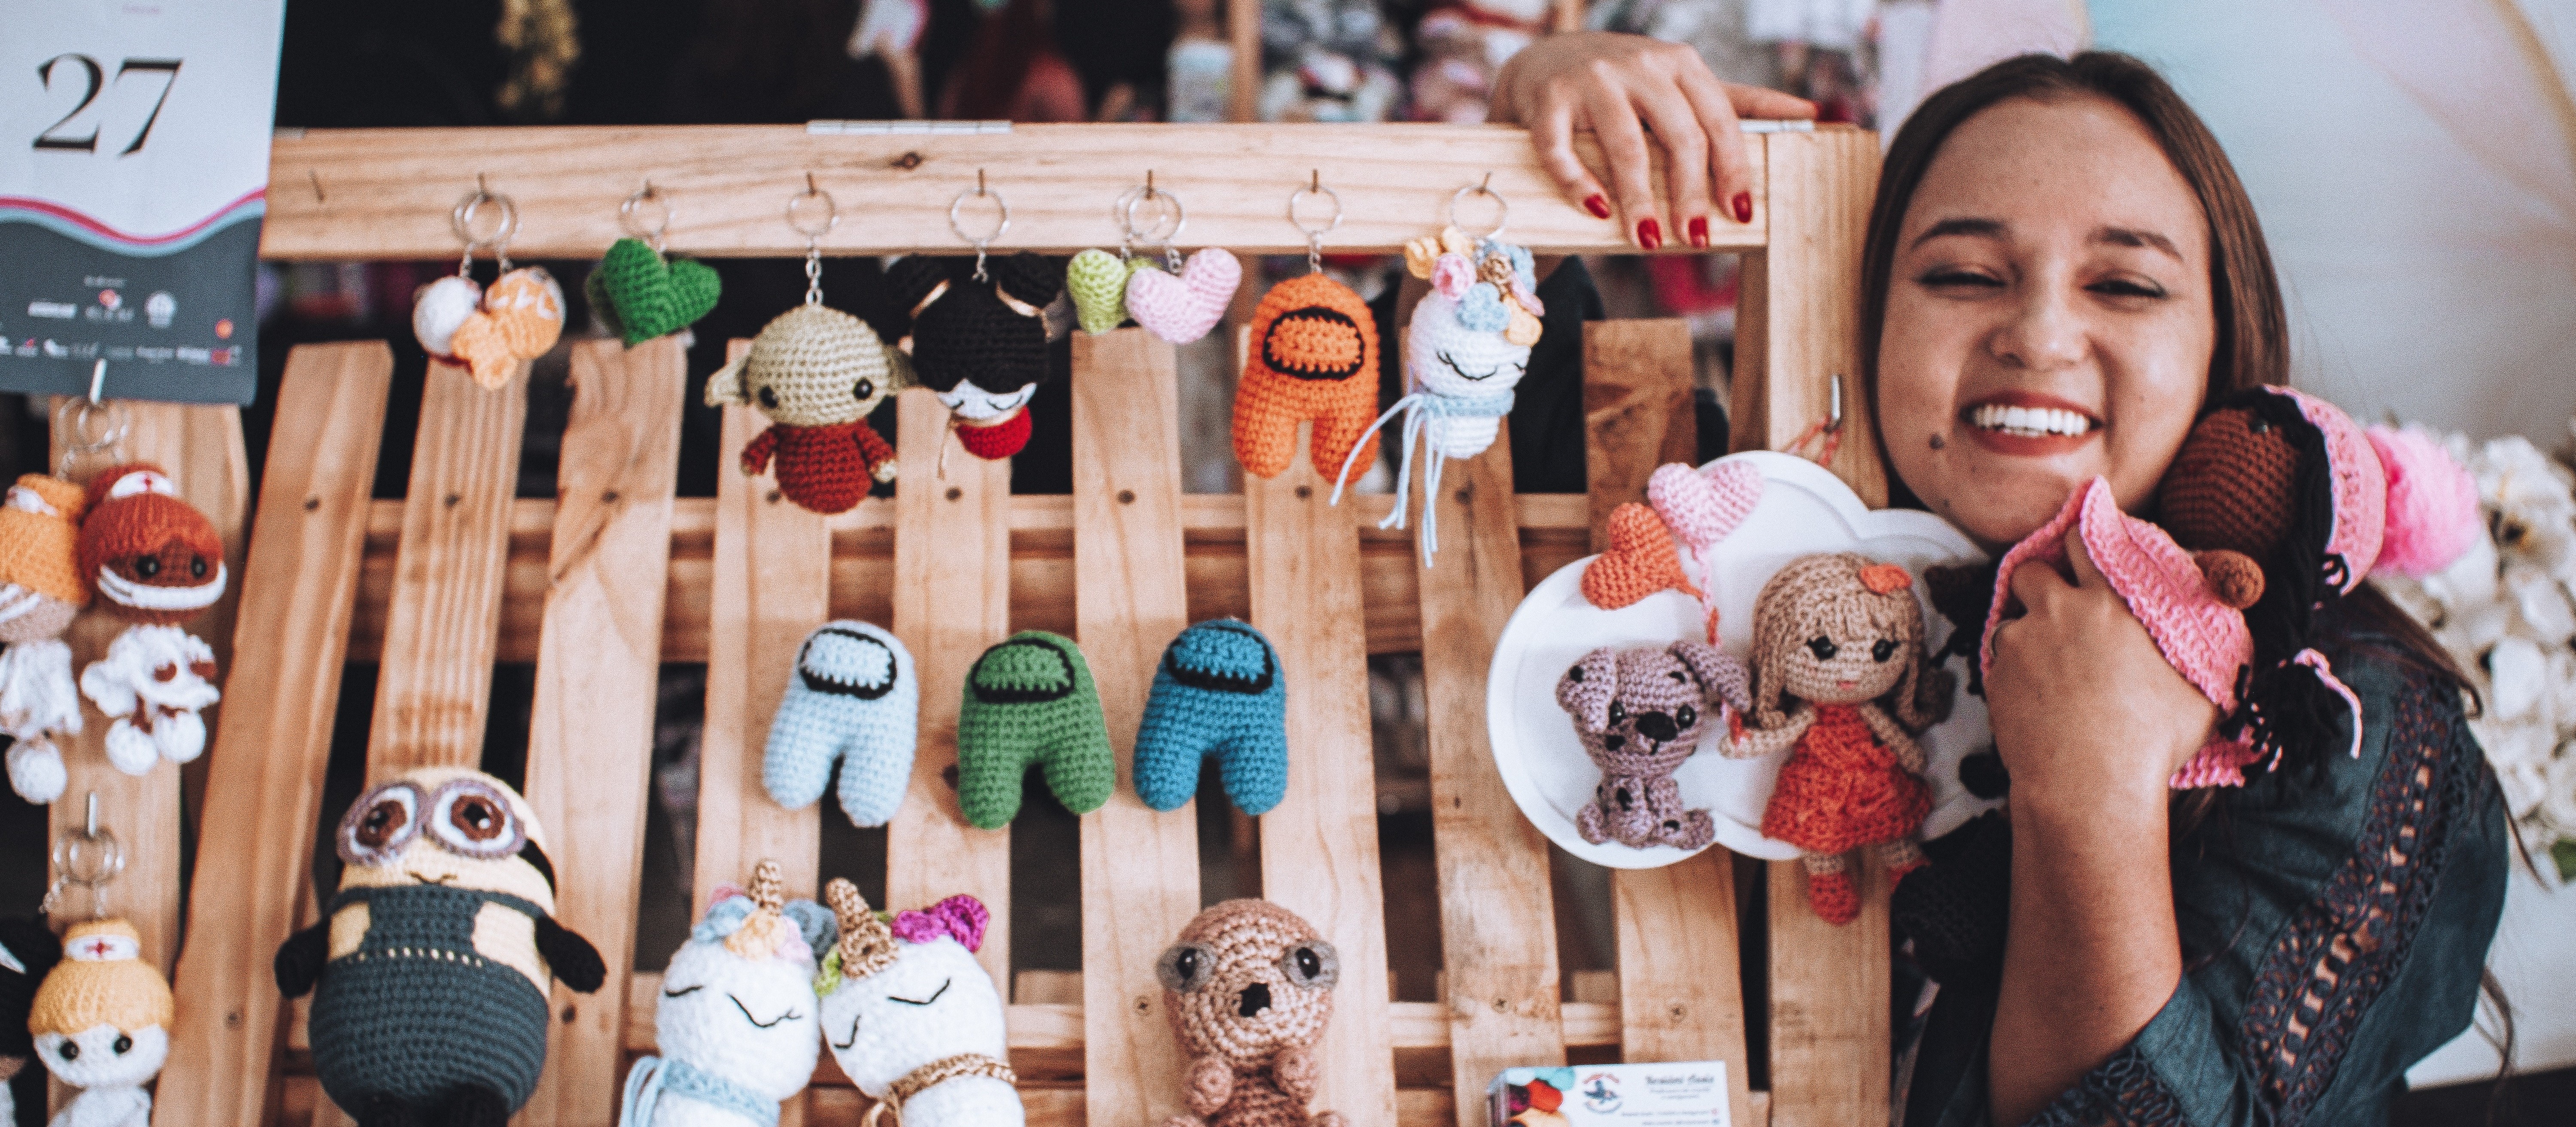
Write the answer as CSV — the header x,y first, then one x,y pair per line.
x,y
1601,1093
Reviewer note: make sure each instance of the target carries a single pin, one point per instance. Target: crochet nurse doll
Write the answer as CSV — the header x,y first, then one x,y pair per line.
x,y
1841,680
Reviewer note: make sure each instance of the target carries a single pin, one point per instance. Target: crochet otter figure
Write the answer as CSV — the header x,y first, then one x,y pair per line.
x,y
432,968
816,372
1249,987
979,340
156,562
1640,713
738,1028
912,1018
28,951
40,592
1842,683
102,1024
1313,357
1030,701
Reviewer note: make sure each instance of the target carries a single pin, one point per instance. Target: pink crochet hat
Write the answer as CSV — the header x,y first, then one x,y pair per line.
x,y
2360,487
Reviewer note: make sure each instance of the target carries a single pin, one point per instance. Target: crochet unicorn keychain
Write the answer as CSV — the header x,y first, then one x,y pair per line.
x,y
979,336
738,1026
1468,348
490,331
1176,302
912,1018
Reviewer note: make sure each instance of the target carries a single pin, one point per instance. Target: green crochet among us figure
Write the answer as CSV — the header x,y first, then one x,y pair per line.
x,y
1030,701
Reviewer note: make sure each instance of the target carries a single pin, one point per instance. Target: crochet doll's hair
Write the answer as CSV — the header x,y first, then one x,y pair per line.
x,y
984,332
1844,593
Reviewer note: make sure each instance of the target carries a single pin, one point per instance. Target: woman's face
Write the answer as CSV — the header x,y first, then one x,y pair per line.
x,y
2048,317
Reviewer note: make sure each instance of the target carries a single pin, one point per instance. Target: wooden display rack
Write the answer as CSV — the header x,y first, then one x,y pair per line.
x,y
614,576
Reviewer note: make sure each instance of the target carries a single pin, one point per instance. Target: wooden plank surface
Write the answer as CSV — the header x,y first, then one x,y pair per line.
x,y
298,592
1497,909
389,193
590,731
1140,868
1637,413
445,616
1829,1048
952,599
1319,855
1799,327
1680,995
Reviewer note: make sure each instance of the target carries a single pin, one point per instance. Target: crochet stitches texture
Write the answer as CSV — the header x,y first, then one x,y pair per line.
x,y
854,700
1219,694
1314,357
1030,701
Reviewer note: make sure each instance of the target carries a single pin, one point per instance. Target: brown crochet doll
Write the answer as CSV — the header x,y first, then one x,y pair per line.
x,y
1841,681
1249,987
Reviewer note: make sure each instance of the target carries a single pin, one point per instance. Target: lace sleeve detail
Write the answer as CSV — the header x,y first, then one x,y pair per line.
x,y
2123,1091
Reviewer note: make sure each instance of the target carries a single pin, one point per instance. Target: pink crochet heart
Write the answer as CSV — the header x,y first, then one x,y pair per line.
x,y
1703,506
1183,309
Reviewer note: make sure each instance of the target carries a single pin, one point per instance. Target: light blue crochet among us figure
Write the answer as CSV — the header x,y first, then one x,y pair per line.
x,y
853,699
1218,694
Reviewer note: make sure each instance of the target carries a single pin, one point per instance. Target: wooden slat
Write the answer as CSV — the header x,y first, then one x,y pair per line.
x,y
1829,1048
299,590
446,607
952,599
1140,869
1800,323
1680,995
389,193
590,731
1637,415
1319,854
1243,32
1497,910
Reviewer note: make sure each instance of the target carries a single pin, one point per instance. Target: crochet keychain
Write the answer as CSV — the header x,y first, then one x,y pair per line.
x,y
817,373
1313,358
854,700
1172,300
432,966
738,1028
1639,713
912,1018
1468,348
1218,694
1030,701
28,951
489,331
101,1018
638,291
1249,986
41,590
1841,681
979,336
157,562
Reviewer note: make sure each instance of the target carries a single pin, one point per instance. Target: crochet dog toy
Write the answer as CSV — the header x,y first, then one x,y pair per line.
x,y
1640,713
738,1026
490,331
854,699
156,562
40,592
1030,700
912,1018
817,373
979,340
1249,986
641,295
433,964
102,1024
1314,357
28,951
1841,681
1217,695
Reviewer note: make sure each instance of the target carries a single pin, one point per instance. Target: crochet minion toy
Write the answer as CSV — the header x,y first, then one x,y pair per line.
x,y
1028,701
101,1023
40,592
156,562
1218,695
28,950
816,372
1314,356
853,698
979,339
432,970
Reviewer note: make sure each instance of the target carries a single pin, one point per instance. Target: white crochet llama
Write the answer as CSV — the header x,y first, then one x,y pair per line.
x,y
911,1016
738,1025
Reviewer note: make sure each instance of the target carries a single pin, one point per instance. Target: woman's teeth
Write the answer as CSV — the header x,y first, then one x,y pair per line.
x,y
2030,422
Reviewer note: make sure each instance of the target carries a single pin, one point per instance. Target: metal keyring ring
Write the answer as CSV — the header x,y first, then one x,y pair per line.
x,y
626,215
1501,220
831,212
1315,190
1154,234
79,443
102,866
462,219
957,206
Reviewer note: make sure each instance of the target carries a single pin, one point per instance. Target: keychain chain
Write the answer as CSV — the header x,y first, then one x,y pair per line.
x,y
813,236
1315,235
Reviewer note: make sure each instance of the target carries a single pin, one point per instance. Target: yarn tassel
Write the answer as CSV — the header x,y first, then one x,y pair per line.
x,y
643,1091
1415,408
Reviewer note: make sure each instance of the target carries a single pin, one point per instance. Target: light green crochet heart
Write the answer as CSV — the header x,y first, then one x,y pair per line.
x,y
1097,280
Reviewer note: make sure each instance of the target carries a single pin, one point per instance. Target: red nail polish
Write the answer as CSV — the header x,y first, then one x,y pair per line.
x,y
1744,207
1650,234
1600,208
1699,230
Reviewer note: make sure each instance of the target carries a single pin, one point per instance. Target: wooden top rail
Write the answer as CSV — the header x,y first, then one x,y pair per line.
x,y
391,193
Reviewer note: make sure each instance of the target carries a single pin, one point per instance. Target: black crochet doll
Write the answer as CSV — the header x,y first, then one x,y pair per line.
x,y
980,343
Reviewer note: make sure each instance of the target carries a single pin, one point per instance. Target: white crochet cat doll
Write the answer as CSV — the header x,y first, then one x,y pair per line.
x,y
913,1018
738,1025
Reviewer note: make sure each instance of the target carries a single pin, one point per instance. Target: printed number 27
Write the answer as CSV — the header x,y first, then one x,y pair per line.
x,y
96,76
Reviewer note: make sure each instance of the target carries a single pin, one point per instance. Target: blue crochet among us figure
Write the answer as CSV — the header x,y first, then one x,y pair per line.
x,y
1218,693
852,699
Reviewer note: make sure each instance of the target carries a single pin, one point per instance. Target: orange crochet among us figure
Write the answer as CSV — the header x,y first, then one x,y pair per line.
x,y
1314,356
1841,680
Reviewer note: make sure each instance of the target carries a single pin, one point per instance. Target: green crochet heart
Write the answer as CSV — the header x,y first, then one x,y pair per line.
x,y
643,297
1097,280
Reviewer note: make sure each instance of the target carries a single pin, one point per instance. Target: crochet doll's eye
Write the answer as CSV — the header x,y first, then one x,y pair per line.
x,y
124,1044
864,389
71,1050
1618,714
474,820
1185,967
196,567
769,398
1686,716
1883,649
1312,965
1823,647
147,566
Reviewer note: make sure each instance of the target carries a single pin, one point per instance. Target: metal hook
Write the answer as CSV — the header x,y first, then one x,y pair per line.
x,y
1834,413
810,189
979,180
626,215
1487,186
1314,180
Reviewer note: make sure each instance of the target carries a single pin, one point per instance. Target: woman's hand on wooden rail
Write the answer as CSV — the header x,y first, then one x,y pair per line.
x,y
1621,87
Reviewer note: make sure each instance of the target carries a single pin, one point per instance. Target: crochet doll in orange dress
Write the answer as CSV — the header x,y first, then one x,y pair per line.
x,y
1841,680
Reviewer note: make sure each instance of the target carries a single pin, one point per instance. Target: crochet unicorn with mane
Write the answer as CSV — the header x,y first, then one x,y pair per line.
x,y
738,1025
913,1018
